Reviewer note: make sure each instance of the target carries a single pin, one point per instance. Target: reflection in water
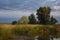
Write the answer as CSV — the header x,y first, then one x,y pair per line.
x,y
36,38
56,38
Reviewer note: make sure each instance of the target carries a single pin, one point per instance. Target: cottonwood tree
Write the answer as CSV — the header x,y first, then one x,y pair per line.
x,y
43,15
23,20
32,19
53,20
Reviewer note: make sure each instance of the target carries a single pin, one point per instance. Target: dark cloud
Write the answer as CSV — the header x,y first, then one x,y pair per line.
x,y
25,4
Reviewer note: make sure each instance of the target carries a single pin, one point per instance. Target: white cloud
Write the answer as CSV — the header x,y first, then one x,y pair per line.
x,y
56,7
51,0
55,13
14,13
18,13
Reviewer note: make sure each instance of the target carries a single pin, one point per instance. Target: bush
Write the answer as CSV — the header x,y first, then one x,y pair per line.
x,y
23,20
14,22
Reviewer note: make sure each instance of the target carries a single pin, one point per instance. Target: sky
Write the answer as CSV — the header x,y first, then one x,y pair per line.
x,y
11,10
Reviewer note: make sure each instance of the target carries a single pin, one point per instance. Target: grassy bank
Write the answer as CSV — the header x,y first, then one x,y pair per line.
x,y
8,31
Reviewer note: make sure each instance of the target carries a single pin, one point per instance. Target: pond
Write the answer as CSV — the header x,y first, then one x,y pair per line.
x,y
50,39
56,38
53,39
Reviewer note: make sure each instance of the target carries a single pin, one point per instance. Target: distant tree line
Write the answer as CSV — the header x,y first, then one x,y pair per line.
x,y
43,17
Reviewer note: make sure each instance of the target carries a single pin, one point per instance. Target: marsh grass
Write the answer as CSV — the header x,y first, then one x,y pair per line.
x,y
7,32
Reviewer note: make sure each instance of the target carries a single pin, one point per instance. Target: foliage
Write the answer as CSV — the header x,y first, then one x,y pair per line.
x,y
32,31
23,20
20,30
24,30
14,22
43,31
53,20
43,15
32,19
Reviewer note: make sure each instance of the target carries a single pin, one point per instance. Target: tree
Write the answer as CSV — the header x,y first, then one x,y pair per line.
x,y
23,20
14,22
43,15
53,20
32,19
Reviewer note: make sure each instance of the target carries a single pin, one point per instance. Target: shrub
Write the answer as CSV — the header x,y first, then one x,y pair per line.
x,y
14,22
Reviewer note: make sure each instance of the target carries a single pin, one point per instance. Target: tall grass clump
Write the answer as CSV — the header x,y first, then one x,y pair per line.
x,y
5,34
44,32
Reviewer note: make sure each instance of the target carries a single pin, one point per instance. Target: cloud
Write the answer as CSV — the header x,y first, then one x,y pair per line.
x,y
56,7
14,13
51,0
18,8
55,13
24,4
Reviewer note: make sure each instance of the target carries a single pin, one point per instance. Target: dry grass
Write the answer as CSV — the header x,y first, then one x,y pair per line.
x,y
6,29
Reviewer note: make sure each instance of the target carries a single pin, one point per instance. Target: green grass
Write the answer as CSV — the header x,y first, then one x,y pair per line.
x,y
8,31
